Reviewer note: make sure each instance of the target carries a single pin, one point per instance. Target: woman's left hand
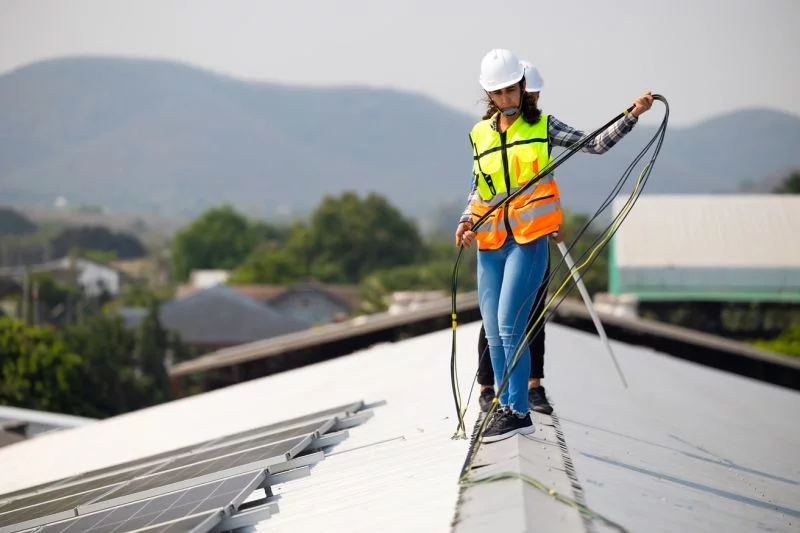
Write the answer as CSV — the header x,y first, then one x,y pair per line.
x,y
642,104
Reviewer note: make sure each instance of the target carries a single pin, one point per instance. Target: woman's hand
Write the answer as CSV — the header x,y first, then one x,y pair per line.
x,y
642,104
464,234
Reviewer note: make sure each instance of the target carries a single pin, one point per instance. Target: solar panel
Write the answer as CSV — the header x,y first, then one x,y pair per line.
x,y
77,491
47,510
191,524
290,438
149,477
281,451
219,495
257,459
314,428
34,489
148,462
340,411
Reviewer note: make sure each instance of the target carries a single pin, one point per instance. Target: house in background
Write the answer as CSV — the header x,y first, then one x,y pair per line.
x,y
218,317
93,277
308,301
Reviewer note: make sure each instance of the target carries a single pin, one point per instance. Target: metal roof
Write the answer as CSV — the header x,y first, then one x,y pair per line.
x,y
708,247
700,230
685,448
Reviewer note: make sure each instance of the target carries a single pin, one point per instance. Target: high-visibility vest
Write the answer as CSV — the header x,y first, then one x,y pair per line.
x,y
503,163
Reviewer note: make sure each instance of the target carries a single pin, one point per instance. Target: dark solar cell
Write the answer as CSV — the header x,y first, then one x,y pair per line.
x,y
264,453
48,507
192,524
71,490
28,490
139,463
145,513
217,456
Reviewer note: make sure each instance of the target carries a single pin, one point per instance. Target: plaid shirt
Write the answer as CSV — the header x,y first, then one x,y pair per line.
x,y
565,136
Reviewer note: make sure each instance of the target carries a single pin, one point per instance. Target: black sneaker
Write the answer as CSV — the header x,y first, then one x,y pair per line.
x,y
485,399
505,424
537,401
498,414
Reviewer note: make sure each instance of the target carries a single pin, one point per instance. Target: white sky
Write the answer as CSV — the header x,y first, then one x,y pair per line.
x,y
706,56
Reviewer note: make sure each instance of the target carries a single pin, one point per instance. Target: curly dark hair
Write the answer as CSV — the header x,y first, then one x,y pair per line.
x,y
530,112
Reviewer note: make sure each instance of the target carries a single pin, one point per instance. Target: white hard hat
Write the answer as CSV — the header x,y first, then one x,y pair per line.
x,y
500,68
533,80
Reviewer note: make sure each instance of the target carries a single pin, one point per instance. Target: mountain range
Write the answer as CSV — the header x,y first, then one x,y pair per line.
x,y
153,136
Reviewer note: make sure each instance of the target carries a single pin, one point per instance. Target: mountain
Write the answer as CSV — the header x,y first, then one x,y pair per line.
x,y
155,136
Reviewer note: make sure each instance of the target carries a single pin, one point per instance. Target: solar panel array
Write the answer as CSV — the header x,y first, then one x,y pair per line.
x,y
192,488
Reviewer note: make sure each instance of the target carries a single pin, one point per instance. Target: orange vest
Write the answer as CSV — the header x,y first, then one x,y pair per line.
x,y
504,163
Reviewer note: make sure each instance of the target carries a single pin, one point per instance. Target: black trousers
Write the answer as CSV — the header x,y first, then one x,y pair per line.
x,y
535,343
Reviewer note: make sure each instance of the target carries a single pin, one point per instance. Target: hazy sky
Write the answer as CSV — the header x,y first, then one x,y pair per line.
x,y
706,56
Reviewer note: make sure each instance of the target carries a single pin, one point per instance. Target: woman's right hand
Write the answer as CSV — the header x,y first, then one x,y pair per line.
x,y
464,234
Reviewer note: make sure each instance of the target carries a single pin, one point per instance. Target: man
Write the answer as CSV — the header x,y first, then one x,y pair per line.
x,y
537,399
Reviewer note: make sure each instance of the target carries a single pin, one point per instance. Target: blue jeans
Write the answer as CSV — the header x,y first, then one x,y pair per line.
x,y
508,280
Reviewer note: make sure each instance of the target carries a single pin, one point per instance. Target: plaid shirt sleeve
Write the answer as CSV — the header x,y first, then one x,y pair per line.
x,y
565,136
466,215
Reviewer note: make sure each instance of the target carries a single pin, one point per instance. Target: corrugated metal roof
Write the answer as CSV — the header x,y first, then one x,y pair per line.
x,y
723,230
685,448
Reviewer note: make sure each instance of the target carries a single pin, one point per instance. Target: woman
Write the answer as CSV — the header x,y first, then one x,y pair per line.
x,y
537,396
510,146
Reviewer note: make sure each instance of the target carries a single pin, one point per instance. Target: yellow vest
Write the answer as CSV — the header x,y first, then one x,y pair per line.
x,y
503,163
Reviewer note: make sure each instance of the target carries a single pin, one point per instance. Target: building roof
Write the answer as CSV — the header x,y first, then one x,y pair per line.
x,y
727,246
345,295
655,457
220,315
699,230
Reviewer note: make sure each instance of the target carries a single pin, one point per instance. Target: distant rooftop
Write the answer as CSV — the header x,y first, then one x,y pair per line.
x,y
708,247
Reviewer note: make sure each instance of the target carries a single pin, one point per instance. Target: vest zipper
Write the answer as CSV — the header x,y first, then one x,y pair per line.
x,y
507,177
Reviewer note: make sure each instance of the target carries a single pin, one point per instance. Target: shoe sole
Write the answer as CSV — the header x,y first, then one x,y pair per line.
x,y
519,431
543,410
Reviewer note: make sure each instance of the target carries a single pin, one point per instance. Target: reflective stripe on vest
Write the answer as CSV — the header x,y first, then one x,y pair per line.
x,y
502,168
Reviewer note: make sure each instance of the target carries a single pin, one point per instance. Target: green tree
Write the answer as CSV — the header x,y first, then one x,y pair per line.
x,y
94,368
790,185
349,238
97,239
267,265
123,370
220,238
153,346
38,370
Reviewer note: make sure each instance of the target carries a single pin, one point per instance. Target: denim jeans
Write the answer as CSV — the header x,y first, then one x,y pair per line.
x,y
535,340
508,280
